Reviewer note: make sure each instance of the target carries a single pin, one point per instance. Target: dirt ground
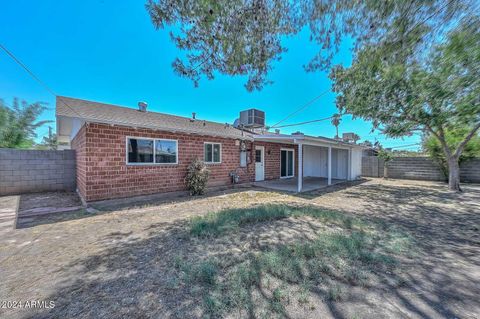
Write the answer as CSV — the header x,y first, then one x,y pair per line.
x,y
119,262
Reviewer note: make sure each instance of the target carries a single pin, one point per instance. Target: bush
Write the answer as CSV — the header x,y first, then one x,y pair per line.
x,y
197,177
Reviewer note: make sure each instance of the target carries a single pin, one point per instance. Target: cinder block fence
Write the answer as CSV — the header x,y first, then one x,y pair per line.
x,y
27,171
419,168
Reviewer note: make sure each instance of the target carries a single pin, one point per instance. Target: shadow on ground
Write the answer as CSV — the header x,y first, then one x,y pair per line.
x,y
144,277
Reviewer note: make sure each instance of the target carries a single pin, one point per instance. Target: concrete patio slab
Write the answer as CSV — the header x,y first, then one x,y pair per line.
x,y
8,211
290,184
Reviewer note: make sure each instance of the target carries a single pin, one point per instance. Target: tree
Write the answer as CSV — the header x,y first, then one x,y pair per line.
x,y
336,122
230,37
387,157
244,37
50,141
453,137
18,123
433,96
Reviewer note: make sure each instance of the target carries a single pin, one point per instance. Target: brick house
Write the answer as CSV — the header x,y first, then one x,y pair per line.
x,y
122,152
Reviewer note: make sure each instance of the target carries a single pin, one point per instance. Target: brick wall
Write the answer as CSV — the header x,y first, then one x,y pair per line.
x,y
26,171
272,158
79,144
108,176
102,172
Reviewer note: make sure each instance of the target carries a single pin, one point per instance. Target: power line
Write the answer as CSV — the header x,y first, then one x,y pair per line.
x,y
406,145
301,108
306,122
36,78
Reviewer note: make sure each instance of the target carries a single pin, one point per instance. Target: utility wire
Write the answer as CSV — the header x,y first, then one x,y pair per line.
x,y
306,122
36,78
405,145
301,108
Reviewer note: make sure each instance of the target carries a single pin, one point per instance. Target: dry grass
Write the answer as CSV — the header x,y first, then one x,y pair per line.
x,y
345,253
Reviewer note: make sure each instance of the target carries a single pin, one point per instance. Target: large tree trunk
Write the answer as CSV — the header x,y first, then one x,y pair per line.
x,y
454,174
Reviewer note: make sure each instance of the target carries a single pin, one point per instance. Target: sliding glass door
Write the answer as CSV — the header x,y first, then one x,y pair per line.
x,y
287,163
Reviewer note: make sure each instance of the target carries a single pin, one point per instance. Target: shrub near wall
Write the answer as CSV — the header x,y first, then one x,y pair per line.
x,y
27,171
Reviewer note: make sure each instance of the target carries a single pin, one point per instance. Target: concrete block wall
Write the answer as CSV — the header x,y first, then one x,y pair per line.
x,y
28,171
372,166
419,168
470,171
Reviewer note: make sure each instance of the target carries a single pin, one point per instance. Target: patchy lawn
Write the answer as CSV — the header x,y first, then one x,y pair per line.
x,y
377,249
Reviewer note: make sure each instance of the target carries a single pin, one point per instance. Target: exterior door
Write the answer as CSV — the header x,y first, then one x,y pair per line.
x,y
287,163
259,163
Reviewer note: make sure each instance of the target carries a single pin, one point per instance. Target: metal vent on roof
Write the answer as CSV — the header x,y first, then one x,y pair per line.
x,y
142,106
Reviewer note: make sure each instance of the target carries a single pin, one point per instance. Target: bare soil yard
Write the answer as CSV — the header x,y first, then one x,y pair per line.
x,y
383,249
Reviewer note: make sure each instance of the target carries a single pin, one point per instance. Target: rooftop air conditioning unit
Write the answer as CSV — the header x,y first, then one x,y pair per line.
x,y
252,118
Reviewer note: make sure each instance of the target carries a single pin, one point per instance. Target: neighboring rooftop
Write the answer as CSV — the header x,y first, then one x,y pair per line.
x,y
120,115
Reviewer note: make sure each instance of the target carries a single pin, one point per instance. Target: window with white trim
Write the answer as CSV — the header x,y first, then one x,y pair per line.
x,y
151,151
212,152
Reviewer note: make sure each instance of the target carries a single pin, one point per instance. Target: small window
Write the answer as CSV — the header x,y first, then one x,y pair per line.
x,y
212,152
140,151
258,156
151,151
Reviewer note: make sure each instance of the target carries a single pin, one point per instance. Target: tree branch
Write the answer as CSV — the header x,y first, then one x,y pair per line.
x,y
441,139
466,140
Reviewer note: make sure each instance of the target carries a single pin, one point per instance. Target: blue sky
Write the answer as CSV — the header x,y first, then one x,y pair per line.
x,y
109,51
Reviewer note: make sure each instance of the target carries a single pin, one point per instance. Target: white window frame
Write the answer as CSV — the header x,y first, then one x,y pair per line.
x,y
293,157
154,148
213,143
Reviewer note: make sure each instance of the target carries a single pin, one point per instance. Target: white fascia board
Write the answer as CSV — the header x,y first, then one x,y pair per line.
x,y
326,143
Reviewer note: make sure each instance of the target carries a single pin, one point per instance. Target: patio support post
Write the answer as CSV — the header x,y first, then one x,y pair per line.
x,y
329,166
300,169
349,165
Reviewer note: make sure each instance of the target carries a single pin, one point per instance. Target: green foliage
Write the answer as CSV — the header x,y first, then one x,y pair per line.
x,y
18,124
197,177
434,95
336,122
230,37
453,138
385,155
403,97
49,142
244,38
